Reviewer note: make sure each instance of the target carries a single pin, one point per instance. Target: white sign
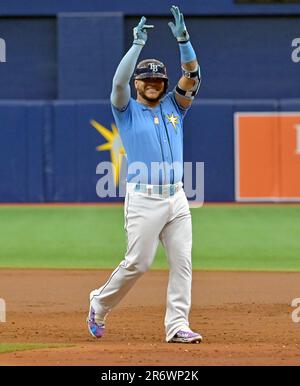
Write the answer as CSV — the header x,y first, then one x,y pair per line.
x,y
2,311
296,312
297,127
296,51
2,51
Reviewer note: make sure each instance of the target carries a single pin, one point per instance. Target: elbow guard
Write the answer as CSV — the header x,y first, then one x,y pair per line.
x,y
196,76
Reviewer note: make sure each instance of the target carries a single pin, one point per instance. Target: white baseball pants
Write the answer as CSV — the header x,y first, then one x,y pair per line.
x,y
149,219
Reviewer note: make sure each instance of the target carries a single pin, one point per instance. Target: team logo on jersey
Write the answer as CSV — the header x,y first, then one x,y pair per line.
x,y
114,144
174,120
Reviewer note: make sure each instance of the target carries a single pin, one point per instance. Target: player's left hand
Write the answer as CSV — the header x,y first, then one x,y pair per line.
x,y
178,29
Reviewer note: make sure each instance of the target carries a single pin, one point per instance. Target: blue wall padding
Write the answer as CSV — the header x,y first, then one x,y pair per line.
x,y
90,47
21,152
38,167
13,153
75,155
65,146
88,139
30,68
48,149
290,105
247,57
259,105
209,139
74,56
48,153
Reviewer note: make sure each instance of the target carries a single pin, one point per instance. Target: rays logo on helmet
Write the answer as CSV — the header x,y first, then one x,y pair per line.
x,y
153,67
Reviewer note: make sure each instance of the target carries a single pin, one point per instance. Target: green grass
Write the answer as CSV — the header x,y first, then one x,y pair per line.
x,y
14,347
262,237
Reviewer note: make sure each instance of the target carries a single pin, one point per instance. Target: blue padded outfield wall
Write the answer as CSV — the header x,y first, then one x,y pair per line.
x,y
22,170
75,56
58,75
31,68
248,57
89,49
48,150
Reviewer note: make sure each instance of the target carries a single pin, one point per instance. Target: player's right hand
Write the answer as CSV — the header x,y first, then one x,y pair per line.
x,y
140,32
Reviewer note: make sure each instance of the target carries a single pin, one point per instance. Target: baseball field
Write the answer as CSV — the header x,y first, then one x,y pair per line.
x,y
246,274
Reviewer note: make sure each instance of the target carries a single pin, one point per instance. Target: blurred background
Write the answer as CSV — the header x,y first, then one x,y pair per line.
x,y
55,85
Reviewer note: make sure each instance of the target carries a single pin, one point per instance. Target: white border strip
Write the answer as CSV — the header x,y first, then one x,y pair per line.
x,y
267,113
269,199
237,157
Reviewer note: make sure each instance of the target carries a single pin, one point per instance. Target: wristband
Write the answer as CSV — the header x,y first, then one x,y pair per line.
x,y
187,52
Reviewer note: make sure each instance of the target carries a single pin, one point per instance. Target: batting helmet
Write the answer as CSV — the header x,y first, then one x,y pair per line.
x,y
151,68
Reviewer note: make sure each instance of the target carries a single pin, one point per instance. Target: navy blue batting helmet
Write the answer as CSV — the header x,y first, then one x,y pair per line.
x,y
151,68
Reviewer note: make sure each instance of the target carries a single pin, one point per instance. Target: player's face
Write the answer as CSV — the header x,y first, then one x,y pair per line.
x,y
150,89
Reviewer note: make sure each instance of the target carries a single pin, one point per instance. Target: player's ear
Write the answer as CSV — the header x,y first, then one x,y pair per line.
x,y
135,84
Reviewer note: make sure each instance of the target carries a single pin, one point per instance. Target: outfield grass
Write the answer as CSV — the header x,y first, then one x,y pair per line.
x,y
262,237
14,347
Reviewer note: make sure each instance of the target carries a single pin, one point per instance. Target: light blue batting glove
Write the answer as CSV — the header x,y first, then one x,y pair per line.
x,y
140,32
179,29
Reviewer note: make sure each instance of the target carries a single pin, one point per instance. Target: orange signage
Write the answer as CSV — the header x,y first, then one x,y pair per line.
x,y
267,156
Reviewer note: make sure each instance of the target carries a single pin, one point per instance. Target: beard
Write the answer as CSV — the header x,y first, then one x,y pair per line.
x,y
151,99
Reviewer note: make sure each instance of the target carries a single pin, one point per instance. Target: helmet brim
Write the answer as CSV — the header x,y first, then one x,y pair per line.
x,y
150,76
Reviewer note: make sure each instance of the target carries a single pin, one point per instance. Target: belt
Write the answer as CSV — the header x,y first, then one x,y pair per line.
x,y
163,191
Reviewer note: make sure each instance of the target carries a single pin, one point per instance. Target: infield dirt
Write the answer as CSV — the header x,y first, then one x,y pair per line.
x,y
245,319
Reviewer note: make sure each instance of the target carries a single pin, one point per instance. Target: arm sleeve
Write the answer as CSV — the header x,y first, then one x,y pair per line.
x,y
187,53
120,94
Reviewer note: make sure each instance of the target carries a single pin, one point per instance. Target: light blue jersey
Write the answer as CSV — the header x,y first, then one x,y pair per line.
x,y
153,136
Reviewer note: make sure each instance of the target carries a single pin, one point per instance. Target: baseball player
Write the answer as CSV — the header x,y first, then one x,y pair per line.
x,y
156,207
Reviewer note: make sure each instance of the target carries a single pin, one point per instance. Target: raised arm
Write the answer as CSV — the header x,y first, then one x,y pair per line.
x,y
120,94
189,83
